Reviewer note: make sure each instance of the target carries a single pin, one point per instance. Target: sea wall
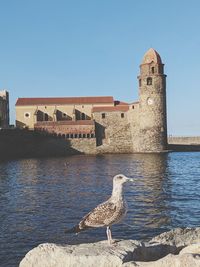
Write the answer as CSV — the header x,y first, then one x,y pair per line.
x,y
184,140
18,143
184,143
177,248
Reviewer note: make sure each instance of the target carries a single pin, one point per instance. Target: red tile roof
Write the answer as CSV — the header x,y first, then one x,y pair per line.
x,y
64,100
117,102
111,109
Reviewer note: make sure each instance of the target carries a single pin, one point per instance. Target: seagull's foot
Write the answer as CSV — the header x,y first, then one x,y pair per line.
x,y
112,243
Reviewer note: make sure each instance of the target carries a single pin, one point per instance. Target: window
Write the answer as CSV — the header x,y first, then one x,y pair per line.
x,y
140,82
153,70
46,117
133,107
103,115
83,116
122,115
149,81
27,115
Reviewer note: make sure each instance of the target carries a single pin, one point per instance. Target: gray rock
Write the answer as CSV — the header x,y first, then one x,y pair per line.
x,y
176,248
178,237
98,254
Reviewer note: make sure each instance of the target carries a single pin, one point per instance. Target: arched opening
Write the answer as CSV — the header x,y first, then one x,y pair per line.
x,y
46,117
152,70
83,116
149,81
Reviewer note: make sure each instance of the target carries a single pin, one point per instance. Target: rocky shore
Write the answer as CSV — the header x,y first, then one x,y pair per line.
x,y
177,248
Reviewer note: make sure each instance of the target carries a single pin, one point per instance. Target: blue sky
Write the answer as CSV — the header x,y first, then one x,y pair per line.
x,y
94,47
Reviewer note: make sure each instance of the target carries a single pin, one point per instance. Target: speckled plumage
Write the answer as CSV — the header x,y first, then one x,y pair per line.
x,y
107,213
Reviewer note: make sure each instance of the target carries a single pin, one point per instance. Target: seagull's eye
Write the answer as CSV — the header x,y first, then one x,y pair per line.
x,y
120,177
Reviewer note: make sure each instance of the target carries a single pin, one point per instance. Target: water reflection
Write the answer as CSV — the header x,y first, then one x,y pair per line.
x,y
148,200
41,197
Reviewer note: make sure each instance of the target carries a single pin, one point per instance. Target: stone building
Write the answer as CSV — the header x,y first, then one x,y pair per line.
x,y
113,126
4,109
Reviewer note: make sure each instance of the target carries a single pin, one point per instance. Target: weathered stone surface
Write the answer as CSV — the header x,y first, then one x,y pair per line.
x,y
194,249
179,237
176,248
185,260
91,255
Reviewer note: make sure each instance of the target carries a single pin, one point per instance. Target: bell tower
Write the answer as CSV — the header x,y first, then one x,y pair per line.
x,y
152,104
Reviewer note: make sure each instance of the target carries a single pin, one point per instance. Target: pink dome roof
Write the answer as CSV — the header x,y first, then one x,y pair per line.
x,y
151,55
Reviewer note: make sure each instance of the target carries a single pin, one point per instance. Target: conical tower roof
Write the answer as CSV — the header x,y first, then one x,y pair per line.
x,y
151,55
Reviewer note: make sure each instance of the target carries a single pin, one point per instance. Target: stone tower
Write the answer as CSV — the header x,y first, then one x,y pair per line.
x,y
4,109
152,104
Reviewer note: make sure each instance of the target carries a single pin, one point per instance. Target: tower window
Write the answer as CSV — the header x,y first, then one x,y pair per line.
x,y
153,70
103,115
140,82
149,81
122,115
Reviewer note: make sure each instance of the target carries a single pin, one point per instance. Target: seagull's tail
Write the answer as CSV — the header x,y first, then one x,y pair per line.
x,y
76,229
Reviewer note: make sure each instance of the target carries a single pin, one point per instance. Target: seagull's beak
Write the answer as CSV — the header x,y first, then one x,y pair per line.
x,y
129,179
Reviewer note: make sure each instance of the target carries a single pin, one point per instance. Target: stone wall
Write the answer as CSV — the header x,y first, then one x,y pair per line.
x,y
184,140
25,144
82,128
4,109
113,132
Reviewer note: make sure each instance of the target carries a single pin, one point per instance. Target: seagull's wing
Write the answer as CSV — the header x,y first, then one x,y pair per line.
x,y
99,216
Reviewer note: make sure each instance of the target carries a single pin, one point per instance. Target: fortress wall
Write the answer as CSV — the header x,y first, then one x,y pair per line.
x,y
84,145
133,119
184,140
24,143
66,127
113,132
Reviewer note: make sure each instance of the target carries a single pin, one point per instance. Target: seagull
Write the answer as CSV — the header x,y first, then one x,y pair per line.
x,y
107,213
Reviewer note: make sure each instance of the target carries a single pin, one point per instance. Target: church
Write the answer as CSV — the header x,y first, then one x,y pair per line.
x,y
102,123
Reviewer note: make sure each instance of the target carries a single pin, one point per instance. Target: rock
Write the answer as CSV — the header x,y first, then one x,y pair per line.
x,y
98,254
179,237
176,248
185,260
194,249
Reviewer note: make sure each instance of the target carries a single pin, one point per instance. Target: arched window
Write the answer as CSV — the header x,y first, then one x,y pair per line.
x,y
149,81
83,117
153,70
46,117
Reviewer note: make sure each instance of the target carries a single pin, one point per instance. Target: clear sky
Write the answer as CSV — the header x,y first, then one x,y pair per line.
x,y
94,47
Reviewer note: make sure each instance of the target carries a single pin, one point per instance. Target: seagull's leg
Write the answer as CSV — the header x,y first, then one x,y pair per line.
x,y
109,235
